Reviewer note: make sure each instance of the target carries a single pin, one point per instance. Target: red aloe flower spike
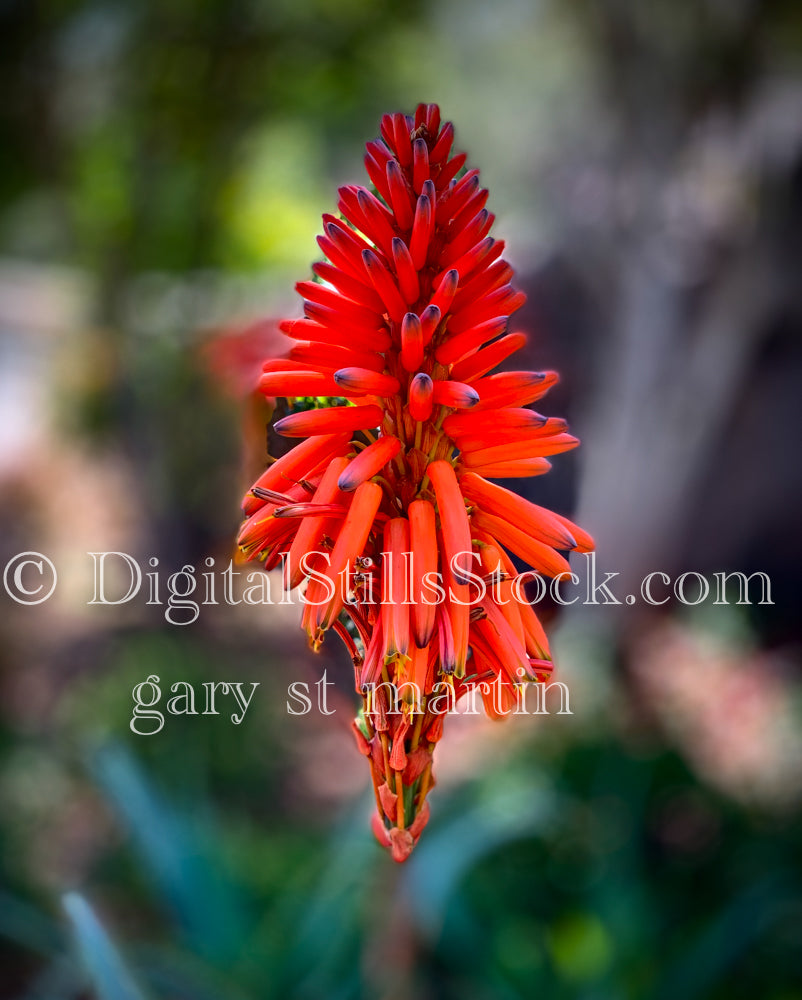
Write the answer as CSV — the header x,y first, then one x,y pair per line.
x,y
389,501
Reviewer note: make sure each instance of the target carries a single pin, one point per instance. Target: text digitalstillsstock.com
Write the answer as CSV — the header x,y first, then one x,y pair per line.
x,y
118,578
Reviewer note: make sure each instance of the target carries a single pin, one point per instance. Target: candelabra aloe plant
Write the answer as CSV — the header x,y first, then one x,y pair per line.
x,y
386,510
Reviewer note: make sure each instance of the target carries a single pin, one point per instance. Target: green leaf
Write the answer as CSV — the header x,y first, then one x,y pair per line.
x,y
107,971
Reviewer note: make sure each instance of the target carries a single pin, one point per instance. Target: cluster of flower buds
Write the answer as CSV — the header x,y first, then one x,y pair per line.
x,y
386,509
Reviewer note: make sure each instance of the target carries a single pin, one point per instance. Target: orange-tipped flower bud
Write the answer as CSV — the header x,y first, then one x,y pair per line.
x,y
421,397
411,342
297,383
366,382
457,395
369,462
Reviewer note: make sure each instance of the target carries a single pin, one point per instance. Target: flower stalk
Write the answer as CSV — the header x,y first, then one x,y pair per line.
x,y
386,510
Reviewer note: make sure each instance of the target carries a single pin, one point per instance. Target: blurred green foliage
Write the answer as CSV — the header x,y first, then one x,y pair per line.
x,y
172,140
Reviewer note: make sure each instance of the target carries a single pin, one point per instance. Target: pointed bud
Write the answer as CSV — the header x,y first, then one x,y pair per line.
x,y
421,400
384,285
430,320
369,462
422,229
401,197
297,383
456,395
411,342
420,164
407,275
442,147
332,420
363,380
446,291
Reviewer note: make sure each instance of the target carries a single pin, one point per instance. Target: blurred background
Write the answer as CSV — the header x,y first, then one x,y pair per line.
x,y
165,168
